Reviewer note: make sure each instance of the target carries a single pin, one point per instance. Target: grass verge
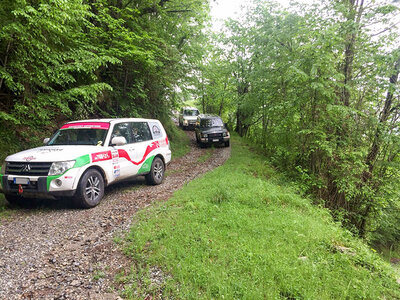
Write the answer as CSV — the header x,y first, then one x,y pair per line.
x,y
179,141
4,209
236,233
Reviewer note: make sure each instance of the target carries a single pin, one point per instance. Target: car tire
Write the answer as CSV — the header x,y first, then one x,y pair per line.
x,y
156,174
227,144
90,189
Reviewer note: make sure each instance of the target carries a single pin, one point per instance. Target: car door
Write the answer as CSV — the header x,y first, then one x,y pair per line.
x,y
142,143
122,155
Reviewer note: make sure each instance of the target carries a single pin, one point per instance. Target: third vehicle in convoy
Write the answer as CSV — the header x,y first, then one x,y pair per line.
x,y
188,116
211,130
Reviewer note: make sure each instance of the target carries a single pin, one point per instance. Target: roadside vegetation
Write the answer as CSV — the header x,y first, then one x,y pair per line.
x,y
179,140
241,232
316,87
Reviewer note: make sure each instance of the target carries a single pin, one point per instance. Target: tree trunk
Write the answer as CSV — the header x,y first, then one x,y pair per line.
x,y
377,143
355,12
5,62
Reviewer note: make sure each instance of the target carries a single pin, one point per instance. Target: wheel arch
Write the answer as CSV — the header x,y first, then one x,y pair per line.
x,y
98,168
162,158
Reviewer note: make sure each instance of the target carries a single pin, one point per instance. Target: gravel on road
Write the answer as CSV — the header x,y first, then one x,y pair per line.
x,y
54,251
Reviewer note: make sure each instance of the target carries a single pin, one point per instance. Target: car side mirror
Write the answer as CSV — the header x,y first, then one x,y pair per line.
x,y
46,140
118,141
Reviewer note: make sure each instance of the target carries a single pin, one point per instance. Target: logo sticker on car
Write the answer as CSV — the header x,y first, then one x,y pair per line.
x,y
100,156
29,158
117,170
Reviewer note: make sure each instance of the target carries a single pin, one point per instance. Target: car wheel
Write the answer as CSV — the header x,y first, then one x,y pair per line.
x,y
227,144
90,189
156,174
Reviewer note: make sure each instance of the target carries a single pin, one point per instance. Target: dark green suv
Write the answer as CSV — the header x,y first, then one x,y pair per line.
x,y
211,130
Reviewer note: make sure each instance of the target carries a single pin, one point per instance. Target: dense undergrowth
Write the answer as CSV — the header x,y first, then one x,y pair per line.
x,y
240,232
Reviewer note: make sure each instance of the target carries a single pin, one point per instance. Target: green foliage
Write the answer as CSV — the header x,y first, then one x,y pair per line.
x,y
63,60
179,141
47,64
311,87
236,233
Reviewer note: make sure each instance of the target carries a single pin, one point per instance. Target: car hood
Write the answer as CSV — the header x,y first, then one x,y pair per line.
x,y
53,153
213,130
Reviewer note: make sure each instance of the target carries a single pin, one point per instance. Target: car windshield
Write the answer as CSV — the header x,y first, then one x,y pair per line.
x,y
77,134
211,123
190,112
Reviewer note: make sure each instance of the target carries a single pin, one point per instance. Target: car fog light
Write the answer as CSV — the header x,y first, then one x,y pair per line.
x,y
58,182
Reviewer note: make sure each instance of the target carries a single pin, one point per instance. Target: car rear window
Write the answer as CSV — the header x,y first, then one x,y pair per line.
x,y
211,122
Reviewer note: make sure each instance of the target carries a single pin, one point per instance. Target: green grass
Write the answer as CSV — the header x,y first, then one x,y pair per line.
x,y
203,158
4,210
389,254
235,233
179,141
98,274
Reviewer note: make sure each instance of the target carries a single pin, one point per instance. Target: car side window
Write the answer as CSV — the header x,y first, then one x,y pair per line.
x,y
140,132
155,130
122,129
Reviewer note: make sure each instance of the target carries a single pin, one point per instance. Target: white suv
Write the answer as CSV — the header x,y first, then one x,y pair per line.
x,y
83,157
188,117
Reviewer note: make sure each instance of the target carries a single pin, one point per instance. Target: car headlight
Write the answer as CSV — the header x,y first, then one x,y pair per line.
x,y
204,135
60,167
185,122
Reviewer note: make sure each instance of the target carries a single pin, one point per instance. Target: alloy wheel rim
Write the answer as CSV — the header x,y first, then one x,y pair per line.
x,y
92,190
158,171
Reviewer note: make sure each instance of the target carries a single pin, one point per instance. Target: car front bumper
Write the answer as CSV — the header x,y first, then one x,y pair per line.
x,y
214,140
37,186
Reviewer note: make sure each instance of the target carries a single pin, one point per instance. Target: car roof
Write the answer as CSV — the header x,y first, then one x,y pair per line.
x,y
114,120
190,107
207,116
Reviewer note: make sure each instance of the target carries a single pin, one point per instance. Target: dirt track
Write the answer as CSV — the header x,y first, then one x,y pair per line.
x,y
57,252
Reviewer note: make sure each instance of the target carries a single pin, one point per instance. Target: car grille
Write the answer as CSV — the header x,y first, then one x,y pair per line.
x,y
215,135
28,168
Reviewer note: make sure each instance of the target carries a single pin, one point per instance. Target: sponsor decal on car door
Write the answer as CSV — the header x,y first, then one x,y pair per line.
x,y
122,167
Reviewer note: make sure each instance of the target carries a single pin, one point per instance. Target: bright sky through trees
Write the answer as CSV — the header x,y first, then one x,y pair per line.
x,y
224,9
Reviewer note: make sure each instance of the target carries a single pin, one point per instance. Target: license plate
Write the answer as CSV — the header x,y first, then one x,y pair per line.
x,y
19,180
215,140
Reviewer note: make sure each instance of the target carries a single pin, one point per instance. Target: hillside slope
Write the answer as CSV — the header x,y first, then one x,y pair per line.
x,y
237,233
